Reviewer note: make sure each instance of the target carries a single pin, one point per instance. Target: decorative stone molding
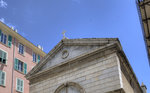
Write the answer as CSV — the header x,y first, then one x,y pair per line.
x,y
66,42
70,84
102,51
65,54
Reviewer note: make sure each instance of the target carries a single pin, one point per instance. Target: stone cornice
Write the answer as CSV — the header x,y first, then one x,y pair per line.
x,y
124,61
90,41
95,53
65,42
45,59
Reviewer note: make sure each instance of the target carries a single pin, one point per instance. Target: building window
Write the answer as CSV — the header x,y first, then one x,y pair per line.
x,y
3,56
21,49
2,78
3,38
70,87
9,41
36,58
20,66
19,85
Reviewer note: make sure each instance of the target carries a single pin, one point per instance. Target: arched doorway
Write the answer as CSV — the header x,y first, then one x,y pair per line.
x,y
70,87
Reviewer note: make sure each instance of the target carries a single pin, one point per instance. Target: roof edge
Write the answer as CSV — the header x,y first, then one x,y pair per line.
x,y
70,41
112,45
12,32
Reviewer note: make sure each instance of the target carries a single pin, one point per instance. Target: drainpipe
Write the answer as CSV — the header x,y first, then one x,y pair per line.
x,y
12,84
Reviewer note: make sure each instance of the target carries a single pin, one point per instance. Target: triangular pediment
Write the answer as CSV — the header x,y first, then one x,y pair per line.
x,y
68,49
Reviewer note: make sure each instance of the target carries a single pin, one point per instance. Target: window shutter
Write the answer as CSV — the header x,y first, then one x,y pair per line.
x,y
0,34
18,84
25,68
3,78
33,57
5,39
4,57
1,53
9,40
38,58
21,86
2,37
0,77
22,49
16,64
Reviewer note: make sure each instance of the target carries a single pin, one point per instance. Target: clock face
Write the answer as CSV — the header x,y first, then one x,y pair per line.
x,y
65,54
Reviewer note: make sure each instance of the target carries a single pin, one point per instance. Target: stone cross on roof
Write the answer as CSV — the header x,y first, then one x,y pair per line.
x,y
64,37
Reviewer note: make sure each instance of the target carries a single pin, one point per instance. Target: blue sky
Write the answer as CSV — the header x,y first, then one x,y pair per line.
x,y
42,22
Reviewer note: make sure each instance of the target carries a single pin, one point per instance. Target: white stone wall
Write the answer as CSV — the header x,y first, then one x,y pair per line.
x,y
99,76
126,85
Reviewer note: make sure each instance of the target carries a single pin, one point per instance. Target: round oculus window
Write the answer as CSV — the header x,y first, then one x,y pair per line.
x,y
65,54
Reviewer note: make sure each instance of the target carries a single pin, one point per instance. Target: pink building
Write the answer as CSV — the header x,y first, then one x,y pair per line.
x,y
17,57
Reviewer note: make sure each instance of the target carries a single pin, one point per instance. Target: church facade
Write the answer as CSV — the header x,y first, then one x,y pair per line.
x,y
92,65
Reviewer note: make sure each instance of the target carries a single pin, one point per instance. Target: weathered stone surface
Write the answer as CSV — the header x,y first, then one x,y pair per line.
x,y
126,85
73,51
102,75
97,66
